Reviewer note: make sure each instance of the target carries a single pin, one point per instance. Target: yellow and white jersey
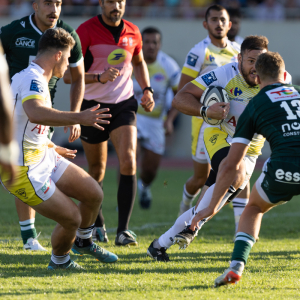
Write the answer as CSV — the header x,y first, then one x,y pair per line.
x,y
32,138
205,57
164,74
239,92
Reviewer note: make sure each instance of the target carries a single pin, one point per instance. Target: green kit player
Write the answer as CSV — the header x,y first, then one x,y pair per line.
x,y
275,114
20,43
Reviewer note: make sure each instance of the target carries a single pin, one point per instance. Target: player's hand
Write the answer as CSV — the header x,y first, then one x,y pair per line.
x,y
202,214
93,116
147,101
218,111
10,170
109,75
75,132
66,153
169,127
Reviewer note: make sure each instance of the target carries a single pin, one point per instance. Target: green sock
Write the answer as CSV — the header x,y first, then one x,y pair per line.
x,y
242,246
27,230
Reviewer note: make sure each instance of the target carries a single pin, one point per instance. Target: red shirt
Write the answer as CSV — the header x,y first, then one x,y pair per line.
x,y
99,44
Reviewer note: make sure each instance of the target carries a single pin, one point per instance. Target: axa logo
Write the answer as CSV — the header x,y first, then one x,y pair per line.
x,y
236,91
25,42
117,56
214,139
284,91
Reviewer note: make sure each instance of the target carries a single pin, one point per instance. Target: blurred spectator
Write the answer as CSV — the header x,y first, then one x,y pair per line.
x,y
20,8
270,10
185,10
235,18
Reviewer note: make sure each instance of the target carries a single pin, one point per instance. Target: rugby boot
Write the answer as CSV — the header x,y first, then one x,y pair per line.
x,y
99,234
69,265
158,254
126,238
230,276
185,237
33,245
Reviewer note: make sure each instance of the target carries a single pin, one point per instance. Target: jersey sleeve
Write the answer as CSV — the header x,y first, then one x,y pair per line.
x,y
33,89
173,71
139,43
245,128
194,60
215,77
76,54
84,38
5,37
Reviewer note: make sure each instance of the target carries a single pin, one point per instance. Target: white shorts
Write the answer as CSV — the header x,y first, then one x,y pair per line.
x,y
151,134
36,184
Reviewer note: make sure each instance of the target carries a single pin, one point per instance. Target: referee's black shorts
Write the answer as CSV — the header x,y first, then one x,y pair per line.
x,y
123,113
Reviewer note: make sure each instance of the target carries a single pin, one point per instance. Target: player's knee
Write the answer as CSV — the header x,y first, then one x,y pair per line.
x,y
94,195
73,221
97,171
128,165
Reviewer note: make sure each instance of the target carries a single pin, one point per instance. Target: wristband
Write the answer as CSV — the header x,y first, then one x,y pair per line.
x,y
98,77
9,152
203,111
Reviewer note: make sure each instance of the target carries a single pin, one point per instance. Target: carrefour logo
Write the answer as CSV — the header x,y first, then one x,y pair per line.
x,y
236,91
25,42
117,56
284,91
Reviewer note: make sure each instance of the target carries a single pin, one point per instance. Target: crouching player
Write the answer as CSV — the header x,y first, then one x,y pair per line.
x,y
44,179
274,113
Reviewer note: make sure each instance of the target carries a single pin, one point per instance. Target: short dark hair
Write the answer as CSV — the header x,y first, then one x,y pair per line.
x,y
254,42
57,39
234,12
216,7
269,65
150,30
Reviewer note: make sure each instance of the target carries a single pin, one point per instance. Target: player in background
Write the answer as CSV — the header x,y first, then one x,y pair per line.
x,y
112,48
20,42
214,51
152,127
45,180
8,147
273,113
235,18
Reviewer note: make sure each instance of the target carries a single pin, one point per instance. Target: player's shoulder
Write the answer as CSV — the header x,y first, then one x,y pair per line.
x,y
60,23
235,46
131,26
16,25
89,23
201,46
166,59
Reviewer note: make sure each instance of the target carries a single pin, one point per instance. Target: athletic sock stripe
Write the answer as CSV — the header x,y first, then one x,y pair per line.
x,y
245,235
241,238
24,228
239,205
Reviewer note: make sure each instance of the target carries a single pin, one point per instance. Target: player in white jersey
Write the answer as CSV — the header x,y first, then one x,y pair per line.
x,y
45,180
164,74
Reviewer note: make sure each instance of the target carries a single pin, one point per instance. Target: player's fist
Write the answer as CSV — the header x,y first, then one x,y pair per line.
x,y
109,75
147,101
218,111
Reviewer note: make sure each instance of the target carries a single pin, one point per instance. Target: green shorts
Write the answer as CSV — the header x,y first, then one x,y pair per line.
x,y
280,180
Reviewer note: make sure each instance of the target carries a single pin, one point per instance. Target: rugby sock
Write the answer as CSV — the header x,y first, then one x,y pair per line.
x,y
27,230
60,259
126,197
142,186
84,237
238,208
100,218
242,247
166,240
187,198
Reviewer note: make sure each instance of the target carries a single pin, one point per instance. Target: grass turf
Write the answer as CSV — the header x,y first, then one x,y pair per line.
x,y
272,270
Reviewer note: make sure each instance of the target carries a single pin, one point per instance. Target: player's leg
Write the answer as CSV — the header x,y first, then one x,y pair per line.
x,y
200,164
124,139
96,155
28,232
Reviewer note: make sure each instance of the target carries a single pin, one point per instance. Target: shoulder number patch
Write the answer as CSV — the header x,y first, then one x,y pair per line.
x,y
36,86
209,78
192,59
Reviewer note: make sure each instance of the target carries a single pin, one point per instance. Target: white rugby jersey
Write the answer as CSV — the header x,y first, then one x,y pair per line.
x,y
32,138
205,56
164,74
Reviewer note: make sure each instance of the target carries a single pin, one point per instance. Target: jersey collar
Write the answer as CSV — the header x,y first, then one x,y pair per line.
x,y
38,68
34,27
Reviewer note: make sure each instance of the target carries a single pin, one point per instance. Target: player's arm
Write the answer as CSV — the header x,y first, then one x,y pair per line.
x,y
141,74
184,79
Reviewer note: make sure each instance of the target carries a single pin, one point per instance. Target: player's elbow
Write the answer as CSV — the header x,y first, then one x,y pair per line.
x,y
176,103
34,118
67,79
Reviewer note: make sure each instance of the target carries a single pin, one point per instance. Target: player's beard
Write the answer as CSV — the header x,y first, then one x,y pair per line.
x,y
246,76
218,37
115,19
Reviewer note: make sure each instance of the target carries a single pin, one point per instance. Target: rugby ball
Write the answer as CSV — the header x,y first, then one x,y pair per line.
x,y
212,95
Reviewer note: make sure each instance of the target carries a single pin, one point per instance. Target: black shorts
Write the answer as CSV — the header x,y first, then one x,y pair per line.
x,y
123,113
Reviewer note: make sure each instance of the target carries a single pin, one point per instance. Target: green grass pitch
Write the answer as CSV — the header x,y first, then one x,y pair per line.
x,y
273,270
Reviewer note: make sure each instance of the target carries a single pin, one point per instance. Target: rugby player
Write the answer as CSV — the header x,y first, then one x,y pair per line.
x,y
20,42
152,127
273,113
45,180
214,51
112,47
237,76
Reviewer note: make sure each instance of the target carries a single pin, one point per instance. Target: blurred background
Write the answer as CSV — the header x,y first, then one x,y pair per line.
x,y
180,22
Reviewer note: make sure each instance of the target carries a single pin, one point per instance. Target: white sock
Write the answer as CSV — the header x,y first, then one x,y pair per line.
x,y
85,233
241,267
238,208
187,198
142,186
27,224
59,260
166,240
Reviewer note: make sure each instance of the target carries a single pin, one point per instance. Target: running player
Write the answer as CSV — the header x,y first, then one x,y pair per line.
x,y
20,42
240,82
151,127
274,113
235,18
112,47
214,51
45,180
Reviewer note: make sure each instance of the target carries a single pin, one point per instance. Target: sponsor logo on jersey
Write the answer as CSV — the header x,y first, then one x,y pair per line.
x,y
210,58
290,129
125,41
25,42
214,139
192,59
36,86
130,41
159,77
209,78
283,93
46,187
281,175
236,91
117,56
22,23
22,193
